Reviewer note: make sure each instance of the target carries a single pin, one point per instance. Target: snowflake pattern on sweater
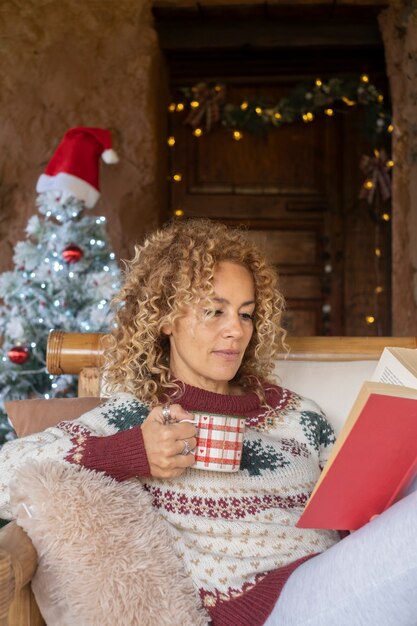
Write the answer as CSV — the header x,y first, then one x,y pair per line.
x,y
235,532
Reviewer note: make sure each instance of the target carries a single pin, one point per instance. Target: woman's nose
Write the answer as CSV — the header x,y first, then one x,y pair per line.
x,y
233,326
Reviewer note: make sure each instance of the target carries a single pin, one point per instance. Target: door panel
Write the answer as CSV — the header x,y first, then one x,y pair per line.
x,y
291,189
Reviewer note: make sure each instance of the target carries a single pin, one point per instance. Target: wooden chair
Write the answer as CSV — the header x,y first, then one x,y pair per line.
x,y
81,354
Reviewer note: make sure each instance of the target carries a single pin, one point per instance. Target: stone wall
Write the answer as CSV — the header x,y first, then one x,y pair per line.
x,y
399,29
90,63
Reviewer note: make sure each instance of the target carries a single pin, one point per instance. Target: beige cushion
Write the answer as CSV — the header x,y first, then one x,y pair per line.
x,y
33,416
106,556
334,385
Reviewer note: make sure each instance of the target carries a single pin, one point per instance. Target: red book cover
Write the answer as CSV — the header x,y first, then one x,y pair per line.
x,y
373,460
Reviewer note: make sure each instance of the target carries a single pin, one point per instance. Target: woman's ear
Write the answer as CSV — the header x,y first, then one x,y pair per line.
x,y
167,329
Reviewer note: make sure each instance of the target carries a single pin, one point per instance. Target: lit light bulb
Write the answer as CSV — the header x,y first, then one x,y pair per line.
x,y
237,135
318,82
365,78
386,217
177,178
178,213
258,110
172,107
378,252
329,112
277,115
370,319
368,184
197,132
194,104
390,163
390,128
244,106
171,141
180,106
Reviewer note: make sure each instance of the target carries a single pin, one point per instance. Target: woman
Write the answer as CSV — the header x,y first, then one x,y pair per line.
x,y
198,329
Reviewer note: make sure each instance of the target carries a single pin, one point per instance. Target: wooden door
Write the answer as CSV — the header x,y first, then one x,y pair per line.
x,y
285,188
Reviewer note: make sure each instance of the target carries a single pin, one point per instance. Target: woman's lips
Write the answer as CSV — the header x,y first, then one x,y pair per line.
x,y
227,355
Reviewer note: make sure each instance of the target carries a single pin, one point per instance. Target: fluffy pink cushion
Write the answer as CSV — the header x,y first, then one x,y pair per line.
x,y
33,416
105,555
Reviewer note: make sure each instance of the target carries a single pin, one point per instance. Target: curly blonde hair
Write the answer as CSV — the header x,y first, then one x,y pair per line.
x,y
174,269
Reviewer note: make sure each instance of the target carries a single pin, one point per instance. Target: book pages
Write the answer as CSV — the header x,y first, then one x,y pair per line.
x,y
396,366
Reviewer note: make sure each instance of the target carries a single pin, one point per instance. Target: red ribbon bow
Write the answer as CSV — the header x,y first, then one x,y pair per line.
x,y
210,100
376,171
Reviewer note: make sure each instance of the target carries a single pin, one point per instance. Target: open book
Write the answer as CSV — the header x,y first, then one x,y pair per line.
x,y
375,456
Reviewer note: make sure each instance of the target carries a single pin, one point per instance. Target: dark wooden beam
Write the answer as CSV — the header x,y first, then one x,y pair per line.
x,y
261,34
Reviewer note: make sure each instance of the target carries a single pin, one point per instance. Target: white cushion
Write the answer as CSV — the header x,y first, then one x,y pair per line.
x,y
333,385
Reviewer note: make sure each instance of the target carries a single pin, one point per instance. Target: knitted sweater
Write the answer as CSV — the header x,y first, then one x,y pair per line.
x,y
235,532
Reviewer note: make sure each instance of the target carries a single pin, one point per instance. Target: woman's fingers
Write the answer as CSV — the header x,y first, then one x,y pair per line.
x,y
183,430
169,441
171,467
186,446
170,413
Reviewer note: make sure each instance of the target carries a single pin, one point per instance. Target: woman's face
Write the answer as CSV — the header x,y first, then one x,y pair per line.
x,y
206,350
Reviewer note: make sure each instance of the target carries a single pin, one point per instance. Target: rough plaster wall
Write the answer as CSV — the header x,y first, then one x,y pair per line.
x,y
399,29
67,63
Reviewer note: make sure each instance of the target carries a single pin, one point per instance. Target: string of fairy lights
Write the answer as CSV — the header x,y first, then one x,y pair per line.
x,y
205,107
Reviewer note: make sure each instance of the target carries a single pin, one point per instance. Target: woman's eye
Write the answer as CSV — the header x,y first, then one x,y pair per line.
x,y
212,312
247,316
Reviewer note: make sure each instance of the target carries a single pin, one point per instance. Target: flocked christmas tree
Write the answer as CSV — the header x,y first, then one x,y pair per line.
x,y
65,271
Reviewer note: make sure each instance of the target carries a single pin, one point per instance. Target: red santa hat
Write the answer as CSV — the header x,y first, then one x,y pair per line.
x,y
74,168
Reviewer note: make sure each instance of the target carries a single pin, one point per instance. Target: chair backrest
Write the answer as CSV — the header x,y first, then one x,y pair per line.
x,y
330,370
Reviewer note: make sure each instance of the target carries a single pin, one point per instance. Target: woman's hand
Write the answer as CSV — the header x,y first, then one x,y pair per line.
x,y
165,443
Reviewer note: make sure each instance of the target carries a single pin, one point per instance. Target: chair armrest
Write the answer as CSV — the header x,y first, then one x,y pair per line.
x,y
18,563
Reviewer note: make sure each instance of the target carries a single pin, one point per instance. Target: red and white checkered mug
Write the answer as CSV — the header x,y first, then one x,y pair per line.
x,y
219,442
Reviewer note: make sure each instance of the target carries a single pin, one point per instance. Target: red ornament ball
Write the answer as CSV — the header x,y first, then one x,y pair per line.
x,y
18,354
72,254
